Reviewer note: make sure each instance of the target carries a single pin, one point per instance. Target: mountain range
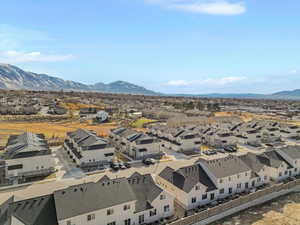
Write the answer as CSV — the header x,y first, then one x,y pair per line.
x,y
14,78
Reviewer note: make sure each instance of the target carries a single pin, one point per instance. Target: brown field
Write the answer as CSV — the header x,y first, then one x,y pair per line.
x,y
50,130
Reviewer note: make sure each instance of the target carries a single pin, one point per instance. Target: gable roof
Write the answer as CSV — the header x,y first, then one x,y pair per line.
x,y
291,151
224,167
186,178
35,211
252,161
80,199
273,159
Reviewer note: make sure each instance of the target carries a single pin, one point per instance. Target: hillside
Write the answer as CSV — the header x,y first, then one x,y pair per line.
x,y
12,77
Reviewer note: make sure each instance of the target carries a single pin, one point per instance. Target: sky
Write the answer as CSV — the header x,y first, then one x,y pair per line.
x,y
170,46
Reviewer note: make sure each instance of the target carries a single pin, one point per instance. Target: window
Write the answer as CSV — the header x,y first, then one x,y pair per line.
x,y
295,169
222,191
246,185
90,217
220,181
112,223
238,176
152,212
197,187
239,185
229,178
258,179
280,174
162,197
166,208
204,196
285,172
110,212
108,154
141,219
230,190
194,199
15,167
265,177
126,207
246,174
127,222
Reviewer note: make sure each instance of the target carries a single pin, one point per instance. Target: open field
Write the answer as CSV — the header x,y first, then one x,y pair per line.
x,y
50,129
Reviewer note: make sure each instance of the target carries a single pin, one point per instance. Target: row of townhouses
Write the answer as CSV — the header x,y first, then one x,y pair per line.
x,y
87,149
121,201
27,156
144,199
210,180
135,144
255,134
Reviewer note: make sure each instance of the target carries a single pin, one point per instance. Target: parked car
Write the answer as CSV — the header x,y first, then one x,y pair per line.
x,y
149,161
128,165
115,166
122,166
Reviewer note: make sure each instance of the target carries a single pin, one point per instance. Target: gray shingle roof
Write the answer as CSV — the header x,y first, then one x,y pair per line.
x,y
291,151
36,211
224,167
186,178
84,198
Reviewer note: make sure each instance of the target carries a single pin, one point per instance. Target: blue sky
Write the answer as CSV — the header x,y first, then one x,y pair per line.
x,y
172,46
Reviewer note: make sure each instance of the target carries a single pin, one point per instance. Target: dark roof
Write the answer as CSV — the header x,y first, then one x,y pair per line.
x,y
86,138
26,144
224,167
144,189
273,159
186,178
36,211
252,161
291,151
84,198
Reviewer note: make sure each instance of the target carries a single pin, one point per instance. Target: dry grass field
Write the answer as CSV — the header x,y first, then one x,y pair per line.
x,y
50,129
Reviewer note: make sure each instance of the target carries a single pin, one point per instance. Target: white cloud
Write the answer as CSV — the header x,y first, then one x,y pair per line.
x,y
177,83
21,57
223,81
211,7
293,72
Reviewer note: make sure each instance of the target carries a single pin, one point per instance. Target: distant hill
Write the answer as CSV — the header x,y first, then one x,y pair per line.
x,y
12,77
295,94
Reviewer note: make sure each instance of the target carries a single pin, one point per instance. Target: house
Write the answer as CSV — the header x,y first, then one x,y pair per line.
x,y
87,149
35,211
259,171
102,116
277,167
291,154
135,144
134,200
27,157
230,174
191,185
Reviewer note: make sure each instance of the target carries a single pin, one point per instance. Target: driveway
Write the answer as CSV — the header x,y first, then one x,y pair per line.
x,y
66,167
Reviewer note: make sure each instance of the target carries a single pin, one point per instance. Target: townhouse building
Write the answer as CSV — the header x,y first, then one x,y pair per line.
x,y
27,156
122,201
178,139
230,174
259,171
137,145
292,155
191,185
277,167
87,149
